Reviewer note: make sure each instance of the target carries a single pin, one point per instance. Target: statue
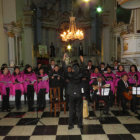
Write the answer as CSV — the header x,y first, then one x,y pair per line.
x,y
81,49
52,48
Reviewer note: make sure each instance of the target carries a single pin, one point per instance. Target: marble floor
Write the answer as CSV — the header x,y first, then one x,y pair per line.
x,y
23,125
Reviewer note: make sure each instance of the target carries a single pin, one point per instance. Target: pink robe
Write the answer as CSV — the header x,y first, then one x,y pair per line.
x,y
131,78
112,87
42,85
118,76
18,86
28,79
6,78
138,73
94,75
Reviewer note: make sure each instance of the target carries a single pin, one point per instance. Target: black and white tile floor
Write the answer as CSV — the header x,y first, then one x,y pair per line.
x,y
23,125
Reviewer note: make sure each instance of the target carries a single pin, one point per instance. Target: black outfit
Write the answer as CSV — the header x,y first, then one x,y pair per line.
x,y
75,97
85,84
67,80
30,96
102,70
96,97
18,99
41,99
122,88
91,69
49,69
57,83
5,100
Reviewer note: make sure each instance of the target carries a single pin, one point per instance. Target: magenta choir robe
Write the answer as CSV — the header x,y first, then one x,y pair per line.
x,y
28,80
42,84
119,74
112,83
18,86
112,87
138,73
8,84
131,78
94,75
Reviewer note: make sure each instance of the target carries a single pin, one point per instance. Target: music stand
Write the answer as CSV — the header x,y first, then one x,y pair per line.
x,y
36,107
136,91
104,93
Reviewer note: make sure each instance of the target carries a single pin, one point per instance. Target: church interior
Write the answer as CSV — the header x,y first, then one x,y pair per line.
x,y
56,53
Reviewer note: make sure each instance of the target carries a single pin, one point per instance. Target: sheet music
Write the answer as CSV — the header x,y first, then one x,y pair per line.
x,y
6,82
135,90
45,78
93,77
33,81
105,91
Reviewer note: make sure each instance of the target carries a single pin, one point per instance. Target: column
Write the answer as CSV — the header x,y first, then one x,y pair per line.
x,y
11,45
17,31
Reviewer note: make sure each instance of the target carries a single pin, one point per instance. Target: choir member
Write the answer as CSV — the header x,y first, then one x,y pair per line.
x,y
97,85
18,88
42,87
29,81
6,88
115,67
36,70
133,75
110,78
3,66
56,79
94,75
119,74
102,68
123,85
90,66
50,67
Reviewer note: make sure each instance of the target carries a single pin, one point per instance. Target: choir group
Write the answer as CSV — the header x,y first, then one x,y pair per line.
x,y
40,79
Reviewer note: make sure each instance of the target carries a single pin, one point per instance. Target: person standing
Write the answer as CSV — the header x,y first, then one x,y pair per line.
x,y
18,88
75,96
29,81
41,88
6,88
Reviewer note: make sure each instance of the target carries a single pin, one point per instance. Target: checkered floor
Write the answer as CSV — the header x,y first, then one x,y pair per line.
x,y
23,125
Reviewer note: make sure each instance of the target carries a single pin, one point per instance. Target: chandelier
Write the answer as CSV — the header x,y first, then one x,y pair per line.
x,y
72,33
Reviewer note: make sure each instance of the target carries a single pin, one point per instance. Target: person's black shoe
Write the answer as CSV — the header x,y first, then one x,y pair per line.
x,y
124,112
80,126
8,110
106,112
70,127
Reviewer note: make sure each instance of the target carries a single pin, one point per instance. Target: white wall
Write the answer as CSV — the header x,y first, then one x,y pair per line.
x,y
3,39
9,10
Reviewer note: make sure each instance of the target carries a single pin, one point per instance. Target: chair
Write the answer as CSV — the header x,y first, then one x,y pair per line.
x,y
55,100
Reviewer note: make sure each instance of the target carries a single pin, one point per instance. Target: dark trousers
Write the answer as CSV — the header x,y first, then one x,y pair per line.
x,y
75,108
97,98
134,103
123,102
30,96
5,100
41,98
18,99
66,97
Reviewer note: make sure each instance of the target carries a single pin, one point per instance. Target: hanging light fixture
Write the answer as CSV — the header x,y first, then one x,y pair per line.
x,y
72,33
